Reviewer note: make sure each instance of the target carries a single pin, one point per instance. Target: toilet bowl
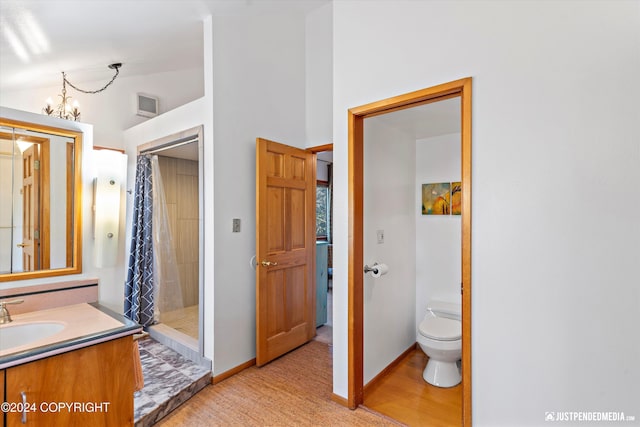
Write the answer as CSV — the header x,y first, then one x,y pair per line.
x,y
440,337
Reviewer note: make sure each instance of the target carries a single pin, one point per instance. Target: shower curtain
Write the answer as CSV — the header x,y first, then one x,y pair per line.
x,y
139,287
168,289
153,281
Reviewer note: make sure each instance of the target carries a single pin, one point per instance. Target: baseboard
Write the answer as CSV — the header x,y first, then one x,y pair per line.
x,y
231,372
340,400
375,380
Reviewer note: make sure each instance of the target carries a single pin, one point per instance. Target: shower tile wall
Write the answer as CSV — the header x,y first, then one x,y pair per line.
x,y
180,179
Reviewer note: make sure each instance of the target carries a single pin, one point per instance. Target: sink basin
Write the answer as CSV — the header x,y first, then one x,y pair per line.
x,y
24,333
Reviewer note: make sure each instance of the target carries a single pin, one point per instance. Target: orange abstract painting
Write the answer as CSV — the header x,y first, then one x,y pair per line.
x,y
436,199
456,198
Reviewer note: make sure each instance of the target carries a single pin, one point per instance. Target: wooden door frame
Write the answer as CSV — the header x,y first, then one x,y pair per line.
x,y
320,148
459,88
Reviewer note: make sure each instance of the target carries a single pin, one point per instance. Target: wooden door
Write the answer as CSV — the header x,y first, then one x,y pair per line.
x,y
285,248
30,208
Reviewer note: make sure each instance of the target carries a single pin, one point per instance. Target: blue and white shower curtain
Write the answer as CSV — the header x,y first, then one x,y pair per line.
x,y
139,288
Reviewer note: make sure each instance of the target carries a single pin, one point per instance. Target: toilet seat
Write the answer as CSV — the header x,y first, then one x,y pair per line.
x,y
441,329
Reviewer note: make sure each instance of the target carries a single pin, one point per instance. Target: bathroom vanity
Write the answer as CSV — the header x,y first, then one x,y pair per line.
x,y
79,372
64,359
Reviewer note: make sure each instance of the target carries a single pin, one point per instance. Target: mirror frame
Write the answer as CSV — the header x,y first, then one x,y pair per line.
x,y
75,216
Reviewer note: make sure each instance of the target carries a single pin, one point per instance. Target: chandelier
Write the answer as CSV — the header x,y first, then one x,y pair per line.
x,y
71,111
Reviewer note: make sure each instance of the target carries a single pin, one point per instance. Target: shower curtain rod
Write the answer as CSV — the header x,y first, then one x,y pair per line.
x,y
173,144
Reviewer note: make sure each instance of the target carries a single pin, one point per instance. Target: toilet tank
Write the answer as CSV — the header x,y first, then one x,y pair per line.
x,y
445,309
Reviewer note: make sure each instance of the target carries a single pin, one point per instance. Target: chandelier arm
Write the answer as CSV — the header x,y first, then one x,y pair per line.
x,y
93,91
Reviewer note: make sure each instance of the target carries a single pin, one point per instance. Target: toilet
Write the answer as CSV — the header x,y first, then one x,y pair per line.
x,y
440,337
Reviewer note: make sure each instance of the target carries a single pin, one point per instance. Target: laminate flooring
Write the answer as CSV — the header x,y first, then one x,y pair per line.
x,y
404,396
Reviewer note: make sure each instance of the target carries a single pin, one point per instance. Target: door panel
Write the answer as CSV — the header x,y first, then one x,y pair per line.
x,y
30,208
275,219
298,219
285,249
298,168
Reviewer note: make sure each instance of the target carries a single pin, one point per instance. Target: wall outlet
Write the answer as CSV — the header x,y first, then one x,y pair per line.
x,y
380,234
236,225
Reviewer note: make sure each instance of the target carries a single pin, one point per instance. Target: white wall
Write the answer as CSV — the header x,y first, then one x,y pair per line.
x,y
319,76
259,91
196,113
322,170
183,118
555,211
389,301
110,112
114,110
438,237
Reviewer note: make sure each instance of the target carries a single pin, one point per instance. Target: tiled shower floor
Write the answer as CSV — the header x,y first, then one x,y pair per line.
x,y
169,380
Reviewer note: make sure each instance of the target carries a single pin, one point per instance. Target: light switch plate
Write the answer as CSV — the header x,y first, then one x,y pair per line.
x,y
236,225
380,234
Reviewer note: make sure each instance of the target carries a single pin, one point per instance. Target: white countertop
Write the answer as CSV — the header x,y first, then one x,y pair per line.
x,y
84,325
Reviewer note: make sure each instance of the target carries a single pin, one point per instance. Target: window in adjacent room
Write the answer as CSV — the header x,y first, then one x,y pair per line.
x,y
323,201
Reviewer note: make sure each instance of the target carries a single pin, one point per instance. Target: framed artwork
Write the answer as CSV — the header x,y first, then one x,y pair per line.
x,y
456,198
436,199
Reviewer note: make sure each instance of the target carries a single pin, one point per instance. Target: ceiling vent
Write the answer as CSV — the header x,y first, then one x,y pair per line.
x,y
147,105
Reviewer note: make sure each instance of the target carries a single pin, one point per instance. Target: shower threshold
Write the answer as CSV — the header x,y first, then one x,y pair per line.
x,y
181,343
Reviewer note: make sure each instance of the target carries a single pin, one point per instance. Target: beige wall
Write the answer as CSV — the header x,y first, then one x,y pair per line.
x,y
180,180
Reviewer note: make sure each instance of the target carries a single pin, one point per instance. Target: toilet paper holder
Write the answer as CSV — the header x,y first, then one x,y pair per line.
x,y
371,269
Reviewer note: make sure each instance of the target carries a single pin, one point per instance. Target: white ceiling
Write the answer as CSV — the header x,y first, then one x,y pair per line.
x,y
40,39
425,121
187,152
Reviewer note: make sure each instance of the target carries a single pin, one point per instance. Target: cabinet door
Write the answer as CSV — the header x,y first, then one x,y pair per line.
x,y
92,386
321,283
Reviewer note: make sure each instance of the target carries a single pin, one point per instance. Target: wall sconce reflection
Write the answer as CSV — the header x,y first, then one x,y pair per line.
x,y
111,171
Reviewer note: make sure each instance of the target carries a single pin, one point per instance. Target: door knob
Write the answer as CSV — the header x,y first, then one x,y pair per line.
x,y
268,263
22,245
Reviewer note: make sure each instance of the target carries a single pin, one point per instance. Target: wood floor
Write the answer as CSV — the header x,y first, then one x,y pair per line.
x,y
404,396
294,390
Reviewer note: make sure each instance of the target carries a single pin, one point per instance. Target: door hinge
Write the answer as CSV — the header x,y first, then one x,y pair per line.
x,y
36,234
461,288
36,165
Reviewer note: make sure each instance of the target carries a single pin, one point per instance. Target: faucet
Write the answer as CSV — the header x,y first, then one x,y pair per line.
x,y
5,317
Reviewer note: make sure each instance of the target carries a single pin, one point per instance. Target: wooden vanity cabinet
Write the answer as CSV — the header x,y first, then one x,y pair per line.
x,y
91,386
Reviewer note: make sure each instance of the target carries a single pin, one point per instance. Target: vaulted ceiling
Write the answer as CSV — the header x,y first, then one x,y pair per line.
x,y
40,39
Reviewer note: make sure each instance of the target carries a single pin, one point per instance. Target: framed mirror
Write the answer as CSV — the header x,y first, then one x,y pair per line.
x,y
40,201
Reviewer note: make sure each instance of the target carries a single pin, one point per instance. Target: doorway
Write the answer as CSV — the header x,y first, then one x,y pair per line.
x,y
25,220
288,249
462,89
324,242
178,205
